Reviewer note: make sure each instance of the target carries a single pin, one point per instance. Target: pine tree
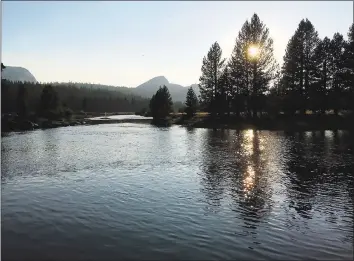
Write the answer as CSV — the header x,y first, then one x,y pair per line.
x,y
348,68
161,103
275,96
2,66
299,68
252,64
290,82
225,91
337,86
191,102
319,92
209,81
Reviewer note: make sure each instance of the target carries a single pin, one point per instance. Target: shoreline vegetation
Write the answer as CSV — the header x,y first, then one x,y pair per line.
x,y
281,123
312,90
309,122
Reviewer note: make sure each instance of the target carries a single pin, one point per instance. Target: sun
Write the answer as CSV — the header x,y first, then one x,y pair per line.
x,y
253,51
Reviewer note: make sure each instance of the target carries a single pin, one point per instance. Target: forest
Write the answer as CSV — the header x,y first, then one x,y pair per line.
x,y
317,75
28,95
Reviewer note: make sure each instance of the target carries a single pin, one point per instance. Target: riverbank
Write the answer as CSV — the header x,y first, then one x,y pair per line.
x,y
10,123
298,122
201,120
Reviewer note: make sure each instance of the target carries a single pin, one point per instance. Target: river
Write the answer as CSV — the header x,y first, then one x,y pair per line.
x,y
134,191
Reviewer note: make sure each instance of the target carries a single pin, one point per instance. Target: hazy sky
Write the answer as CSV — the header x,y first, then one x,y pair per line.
x,y
127,43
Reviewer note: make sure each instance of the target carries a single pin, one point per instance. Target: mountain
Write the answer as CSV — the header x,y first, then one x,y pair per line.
x,y
178,92
17,74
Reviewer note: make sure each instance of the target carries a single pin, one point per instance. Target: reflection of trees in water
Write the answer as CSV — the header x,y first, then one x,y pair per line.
x,y
213,177
300,189
235,162
317,171
309,170
192,139
254,195
49,153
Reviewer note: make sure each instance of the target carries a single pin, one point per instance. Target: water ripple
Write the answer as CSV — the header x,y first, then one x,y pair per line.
x,y
134,191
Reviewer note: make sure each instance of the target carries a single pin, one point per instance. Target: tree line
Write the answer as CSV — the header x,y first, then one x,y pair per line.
x,y
161,103
26,98
317,74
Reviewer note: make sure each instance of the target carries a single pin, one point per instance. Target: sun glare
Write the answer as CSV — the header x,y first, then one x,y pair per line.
x,y
253,51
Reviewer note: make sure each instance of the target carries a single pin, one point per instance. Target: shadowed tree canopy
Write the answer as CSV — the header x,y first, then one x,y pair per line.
x,y
318,92
96,100
348,61
212,68
161,103
49,100
191,102
252,63
225,92
335,89
22,101
300,74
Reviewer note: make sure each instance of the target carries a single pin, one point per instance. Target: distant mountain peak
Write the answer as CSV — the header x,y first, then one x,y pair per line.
x,y
148,88
160,78
156,82
19,74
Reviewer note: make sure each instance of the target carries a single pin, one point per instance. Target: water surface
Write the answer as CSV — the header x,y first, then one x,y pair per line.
x,y
135,191
122,117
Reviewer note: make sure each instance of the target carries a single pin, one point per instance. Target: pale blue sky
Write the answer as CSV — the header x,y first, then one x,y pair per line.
x,y
127,43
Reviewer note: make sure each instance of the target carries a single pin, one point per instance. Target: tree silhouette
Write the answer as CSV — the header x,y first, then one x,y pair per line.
x,y
299,67
252,72
210,79
2,66
348,68
225,91
337,86
191,102
161,103
318,92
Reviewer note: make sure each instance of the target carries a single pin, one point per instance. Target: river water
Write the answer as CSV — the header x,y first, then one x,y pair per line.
x,y
135,191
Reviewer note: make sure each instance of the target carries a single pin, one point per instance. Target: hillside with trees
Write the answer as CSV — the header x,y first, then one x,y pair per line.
x,y
72,97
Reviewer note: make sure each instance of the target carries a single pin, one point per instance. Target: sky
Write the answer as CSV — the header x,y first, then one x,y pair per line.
x,y
127,43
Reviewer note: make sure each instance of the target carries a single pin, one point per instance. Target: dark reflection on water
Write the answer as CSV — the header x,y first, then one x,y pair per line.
x,y
140,192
